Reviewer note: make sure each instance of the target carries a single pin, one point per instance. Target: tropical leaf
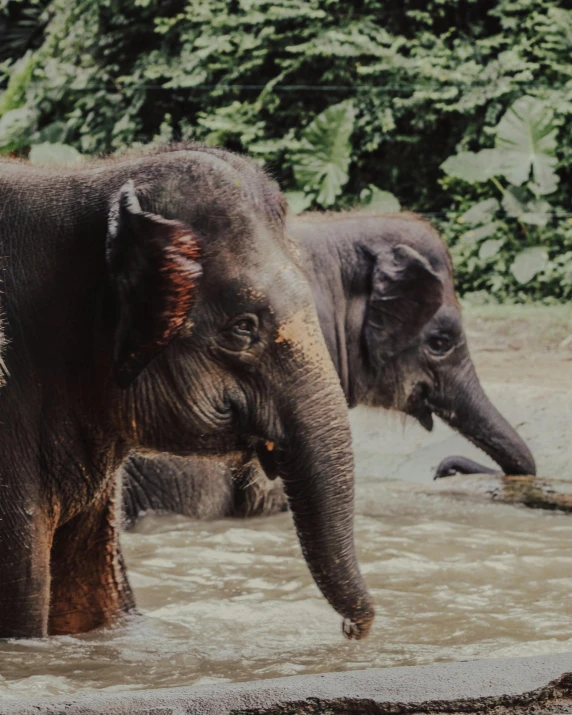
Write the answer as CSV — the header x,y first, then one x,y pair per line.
x,y
534,212
490,248
514,201
527,139
298,201
474,167
321,164
475,235
54,154
383,202
528,263
537,213
483,212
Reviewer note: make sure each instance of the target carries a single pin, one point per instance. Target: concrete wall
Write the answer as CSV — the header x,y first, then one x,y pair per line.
x,y
517,685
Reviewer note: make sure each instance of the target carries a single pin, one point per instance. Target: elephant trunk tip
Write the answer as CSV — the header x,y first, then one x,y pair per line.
x,y
526,467
358,613
475,417
356,629
519,462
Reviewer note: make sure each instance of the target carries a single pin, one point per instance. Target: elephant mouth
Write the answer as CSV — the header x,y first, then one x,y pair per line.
x,y
424,416
418,407
271,458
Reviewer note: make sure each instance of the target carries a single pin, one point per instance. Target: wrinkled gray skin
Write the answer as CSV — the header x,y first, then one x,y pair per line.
x,y
368,276
155,304
3,369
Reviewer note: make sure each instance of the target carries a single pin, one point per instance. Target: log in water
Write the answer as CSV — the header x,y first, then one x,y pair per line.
x,y
532,492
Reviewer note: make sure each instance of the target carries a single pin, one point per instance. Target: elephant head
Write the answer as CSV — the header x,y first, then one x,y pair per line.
x,y
217,347
385,296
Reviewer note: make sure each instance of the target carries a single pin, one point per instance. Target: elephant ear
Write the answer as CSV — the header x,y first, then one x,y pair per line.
x,y
154,274
405,294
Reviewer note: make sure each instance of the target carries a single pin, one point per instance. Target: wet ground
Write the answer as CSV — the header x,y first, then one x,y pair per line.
x,y
453,579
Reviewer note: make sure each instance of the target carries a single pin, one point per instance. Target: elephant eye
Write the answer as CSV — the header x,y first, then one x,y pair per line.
x,y
244,326
439,344
240,334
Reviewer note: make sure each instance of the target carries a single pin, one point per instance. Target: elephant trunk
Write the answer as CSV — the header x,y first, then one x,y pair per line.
x,y
464,405
318,473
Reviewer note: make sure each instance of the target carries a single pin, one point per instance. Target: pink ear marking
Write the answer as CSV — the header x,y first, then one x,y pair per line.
x,y
166,253
182,272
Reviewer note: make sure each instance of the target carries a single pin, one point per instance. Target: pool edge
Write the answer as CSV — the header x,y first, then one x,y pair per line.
x,y
465,686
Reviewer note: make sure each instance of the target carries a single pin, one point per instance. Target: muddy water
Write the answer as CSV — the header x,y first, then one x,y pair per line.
x,y
232,600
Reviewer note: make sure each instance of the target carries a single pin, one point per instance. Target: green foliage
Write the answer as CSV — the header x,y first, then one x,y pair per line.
x,y
47,154
14,95
344,101
526,141
321,162
529,263
525,156
383,202
473,167
21,26
298,201
497,257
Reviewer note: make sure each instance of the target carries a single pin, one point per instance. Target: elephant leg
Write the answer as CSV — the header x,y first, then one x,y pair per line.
x,y
198,487
89,582
25,541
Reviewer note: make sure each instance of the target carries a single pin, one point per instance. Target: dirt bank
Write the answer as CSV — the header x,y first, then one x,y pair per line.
x,y
526,344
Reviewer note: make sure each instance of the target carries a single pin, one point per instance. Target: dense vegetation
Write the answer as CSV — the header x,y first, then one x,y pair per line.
x,y
344,101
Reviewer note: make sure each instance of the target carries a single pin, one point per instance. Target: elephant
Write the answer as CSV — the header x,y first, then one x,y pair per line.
x,y
3,369
155,302
368,275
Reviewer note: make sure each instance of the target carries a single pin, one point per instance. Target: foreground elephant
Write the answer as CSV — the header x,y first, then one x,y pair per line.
x,y
383,289
155,304
3,369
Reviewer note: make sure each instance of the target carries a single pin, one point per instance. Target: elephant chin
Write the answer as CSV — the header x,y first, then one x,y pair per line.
x,y
425,419
271,459
418,408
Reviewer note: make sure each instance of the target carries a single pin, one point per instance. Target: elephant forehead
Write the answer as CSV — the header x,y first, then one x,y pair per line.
x,y
280,283
448,317
276,284
301,333
449,295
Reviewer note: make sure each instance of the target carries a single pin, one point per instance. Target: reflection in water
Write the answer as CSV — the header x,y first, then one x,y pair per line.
x,y
233,600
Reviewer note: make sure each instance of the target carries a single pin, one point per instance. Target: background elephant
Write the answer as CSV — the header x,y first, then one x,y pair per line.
x,y
368,275
156,304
